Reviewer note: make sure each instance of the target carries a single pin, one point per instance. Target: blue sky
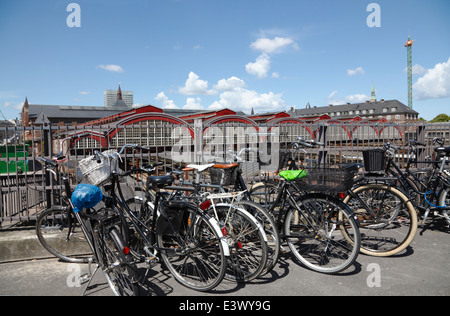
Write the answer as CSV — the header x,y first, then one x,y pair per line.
x,y
241,54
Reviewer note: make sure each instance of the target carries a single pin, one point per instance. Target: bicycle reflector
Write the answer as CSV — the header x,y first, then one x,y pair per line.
x,y
126,250
205,205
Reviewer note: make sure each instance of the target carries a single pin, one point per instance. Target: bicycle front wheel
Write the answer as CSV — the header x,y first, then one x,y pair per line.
x,y
314,229
193,250
388,219
60,233
118,265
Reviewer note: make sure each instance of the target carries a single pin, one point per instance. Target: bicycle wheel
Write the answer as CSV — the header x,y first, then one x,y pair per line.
x,y
270,228
247,241
264,193
388,219
444,201
314,233
60,233
194,253
120,270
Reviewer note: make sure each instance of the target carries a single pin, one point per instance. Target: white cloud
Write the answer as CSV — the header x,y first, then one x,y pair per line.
x,y
416,69
435,83
84,92
112,68
165,101
6,104
353,72
260,67
275,45
244,100
194,85
230,84
352,98
356,98
193,104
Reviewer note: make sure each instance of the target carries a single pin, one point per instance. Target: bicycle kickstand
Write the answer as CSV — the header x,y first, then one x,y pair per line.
x,y
87,277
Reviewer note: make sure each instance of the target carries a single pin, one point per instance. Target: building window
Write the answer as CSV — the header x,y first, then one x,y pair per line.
x,y
397,116
393,109
385,109
388,117
371,111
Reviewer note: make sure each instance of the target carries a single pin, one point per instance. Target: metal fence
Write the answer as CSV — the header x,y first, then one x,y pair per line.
x,y
26,189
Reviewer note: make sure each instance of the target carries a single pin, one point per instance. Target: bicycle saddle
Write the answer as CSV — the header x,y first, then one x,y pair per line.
x,y
226,166
445,150
160,181
200,168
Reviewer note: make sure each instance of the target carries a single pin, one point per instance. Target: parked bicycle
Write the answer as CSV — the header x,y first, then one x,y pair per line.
x,y
187,239
100,230
428,191
227,177
321,231
245,235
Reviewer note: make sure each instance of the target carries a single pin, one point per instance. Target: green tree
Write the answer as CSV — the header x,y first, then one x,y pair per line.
x,y
441,118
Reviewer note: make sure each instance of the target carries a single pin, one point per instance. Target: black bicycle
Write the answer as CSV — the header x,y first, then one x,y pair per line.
x,y
101,231
320,230
188,240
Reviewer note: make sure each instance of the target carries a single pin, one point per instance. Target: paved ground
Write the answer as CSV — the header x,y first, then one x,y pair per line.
x,y
422,270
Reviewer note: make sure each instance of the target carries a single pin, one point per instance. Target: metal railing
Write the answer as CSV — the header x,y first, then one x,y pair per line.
x,y
26,189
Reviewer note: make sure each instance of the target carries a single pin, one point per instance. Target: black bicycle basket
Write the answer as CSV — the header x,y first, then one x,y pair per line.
x,y
229,176
374,159
327,179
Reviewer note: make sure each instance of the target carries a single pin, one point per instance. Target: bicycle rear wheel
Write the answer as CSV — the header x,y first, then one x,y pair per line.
x,y
60,233
315,233
388,219
194,253
270,228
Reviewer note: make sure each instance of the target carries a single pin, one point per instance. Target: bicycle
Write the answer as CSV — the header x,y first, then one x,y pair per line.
x,y
388,221
321,231
99,227
186,238
244,233
227,177
428,194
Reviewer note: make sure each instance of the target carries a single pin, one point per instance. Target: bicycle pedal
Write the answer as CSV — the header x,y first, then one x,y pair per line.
x,y
151,262
84,278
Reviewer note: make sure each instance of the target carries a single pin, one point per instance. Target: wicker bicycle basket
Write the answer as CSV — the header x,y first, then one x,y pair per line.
x,y
374,159
229,176
327,180
98,173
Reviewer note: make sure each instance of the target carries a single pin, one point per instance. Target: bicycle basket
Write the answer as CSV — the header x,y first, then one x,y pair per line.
x,y
97,173
374,159
326,180
229,176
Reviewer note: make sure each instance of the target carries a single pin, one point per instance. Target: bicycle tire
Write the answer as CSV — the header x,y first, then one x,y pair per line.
x,y
247,241
119,268
271,229
397,216
197,254
444,200
314,234
60,234
264,193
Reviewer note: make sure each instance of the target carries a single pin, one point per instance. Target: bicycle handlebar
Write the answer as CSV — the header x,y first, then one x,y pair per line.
x,y
306,143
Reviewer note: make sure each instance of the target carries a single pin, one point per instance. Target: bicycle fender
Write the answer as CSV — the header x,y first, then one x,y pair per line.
x,y
335,200
226,248
249,215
